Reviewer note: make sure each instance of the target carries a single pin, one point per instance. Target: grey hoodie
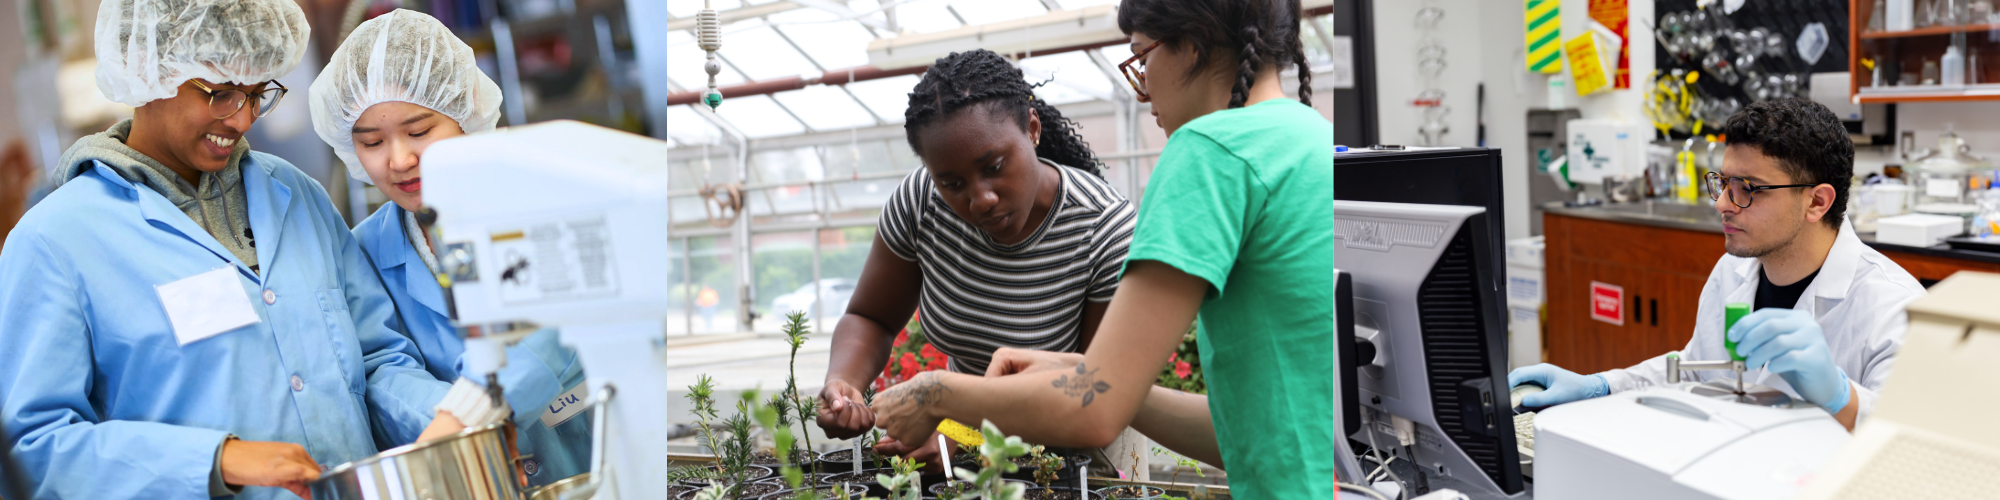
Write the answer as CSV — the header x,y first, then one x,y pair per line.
x,y
219,205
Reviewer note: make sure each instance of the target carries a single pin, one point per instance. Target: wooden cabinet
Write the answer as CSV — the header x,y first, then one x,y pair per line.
x,y
1662,271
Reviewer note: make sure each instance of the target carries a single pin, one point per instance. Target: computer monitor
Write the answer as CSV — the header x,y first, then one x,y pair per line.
x,y
1425,300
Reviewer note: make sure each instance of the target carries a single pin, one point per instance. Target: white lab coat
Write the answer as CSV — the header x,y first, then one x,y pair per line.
x,y
1858,300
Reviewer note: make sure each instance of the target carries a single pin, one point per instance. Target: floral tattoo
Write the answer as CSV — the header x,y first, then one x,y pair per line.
x,y
926,390
1084,384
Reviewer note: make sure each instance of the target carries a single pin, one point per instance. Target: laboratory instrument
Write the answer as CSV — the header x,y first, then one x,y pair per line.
x,y
1936,409
1674,443
560,224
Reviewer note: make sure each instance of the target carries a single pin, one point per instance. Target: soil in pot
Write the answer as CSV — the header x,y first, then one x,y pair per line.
x,y
769,459
1060,494
1065,475
753,473
823,492
1133,492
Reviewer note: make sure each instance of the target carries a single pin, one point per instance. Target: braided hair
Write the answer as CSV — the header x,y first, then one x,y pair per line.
x,y
1268,35
981,77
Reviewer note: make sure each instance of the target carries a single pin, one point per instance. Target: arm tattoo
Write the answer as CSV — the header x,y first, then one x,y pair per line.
x,y
1084,384
925,390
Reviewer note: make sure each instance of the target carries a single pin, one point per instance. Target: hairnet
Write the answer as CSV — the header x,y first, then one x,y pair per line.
x,y
147,48
401,56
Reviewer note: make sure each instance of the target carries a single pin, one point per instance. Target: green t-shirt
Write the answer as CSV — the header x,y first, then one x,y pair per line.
x,y
1243,198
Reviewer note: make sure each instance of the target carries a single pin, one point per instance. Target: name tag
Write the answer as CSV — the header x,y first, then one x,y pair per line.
x,y
566,406
206,304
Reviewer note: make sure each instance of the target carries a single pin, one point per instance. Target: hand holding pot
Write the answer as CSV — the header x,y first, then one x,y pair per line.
x,y
927,454
1009,361
841,413
263,463
444,425
906,410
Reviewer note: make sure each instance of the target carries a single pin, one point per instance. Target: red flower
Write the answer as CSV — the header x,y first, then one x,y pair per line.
x,y
1173,358
902,337
1182,369
909,364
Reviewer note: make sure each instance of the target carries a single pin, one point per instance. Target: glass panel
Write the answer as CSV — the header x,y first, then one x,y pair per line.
x,y
825,107
681,47
758,117
1071,76
688,8
988,11
849,160
925,17
887,96
786,165
687,125
835,45
842,252
712,266
782,266
680,300
763,55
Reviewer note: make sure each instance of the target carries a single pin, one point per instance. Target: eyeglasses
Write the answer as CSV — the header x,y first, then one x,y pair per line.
x,y
1741,191
224,103
1137,77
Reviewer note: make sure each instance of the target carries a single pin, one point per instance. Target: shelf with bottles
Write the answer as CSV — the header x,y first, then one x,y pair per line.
x,y
1942,53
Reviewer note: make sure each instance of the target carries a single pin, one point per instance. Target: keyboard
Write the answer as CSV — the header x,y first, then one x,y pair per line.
x,y
1524,431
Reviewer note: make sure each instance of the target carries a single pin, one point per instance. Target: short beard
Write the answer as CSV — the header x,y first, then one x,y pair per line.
x,y
1773,247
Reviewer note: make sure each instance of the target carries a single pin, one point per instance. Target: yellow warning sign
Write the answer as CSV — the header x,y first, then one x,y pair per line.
x,y
1586,63
1544,18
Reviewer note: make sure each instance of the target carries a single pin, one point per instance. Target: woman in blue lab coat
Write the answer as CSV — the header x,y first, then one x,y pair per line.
x,y
400,82
184,317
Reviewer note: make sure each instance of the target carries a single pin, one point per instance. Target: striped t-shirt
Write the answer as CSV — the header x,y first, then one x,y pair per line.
x,y
979,296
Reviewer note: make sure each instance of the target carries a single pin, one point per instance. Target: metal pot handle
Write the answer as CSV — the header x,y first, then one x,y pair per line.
x,y
598,432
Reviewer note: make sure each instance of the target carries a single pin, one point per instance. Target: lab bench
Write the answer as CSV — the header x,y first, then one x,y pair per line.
x,y
1660,255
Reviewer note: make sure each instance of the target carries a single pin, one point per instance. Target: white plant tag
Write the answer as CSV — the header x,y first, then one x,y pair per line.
x,y
206,304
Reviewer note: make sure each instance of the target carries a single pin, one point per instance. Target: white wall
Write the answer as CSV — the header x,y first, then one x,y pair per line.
x,y
1397,81
1510,91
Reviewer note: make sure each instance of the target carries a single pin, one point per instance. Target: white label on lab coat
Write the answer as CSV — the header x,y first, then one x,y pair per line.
x,y
206,304
568,405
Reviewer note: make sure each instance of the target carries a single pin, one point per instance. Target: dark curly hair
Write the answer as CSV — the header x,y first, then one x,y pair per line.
x,y
1264,32
1805,138
982,77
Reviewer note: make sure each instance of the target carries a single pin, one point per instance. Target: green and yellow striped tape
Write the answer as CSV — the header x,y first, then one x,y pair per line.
x,y
1544,18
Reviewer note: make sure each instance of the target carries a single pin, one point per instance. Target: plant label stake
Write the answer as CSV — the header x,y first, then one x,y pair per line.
x,y
1082,483
946,455
857,458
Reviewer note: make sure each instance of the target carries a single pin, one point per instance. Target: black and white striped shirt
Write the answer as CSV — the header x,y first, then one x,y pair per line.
x,y
979,296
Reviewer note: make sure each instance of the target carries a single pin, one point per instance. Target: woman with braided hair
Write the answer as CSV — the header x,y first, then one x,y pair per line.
x,y
1008,237
1235,225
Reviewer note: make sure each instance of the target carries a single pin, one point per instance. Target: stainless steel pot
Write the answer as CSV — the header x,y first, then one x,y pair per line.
x,y
475,464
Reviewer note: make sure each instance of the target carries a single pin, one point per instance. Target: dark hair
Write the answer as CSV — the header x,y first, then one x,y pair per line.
x,y
1262,31
1805,138
981,77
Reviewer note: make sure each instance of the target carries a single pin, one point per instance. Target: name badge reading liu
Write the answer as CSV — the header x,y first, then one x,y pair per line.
x,y
566,406
206,304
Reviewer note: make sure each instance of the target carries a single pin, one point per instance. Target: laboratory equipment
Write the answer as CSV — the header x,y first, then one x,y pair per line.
x,y
1433,388
1936,409
1601,149
1456,176
475,464
1671,443
1918,230
559,224
1943,175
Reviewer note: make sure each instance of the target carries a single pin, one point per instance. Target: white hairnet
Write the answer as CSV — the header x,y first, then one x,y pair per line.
x,y
147,48
403,56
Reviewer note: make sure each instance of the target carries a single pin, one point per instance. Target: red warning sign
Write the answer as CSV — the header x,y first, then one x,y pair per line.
x,y
1607,303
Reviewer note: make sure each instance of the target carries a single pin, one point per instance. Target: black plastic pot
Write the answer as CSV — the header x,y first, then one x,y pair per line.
x,y
1132,492
757,489
937,489
827,491
1090,495
866,480
830,465
755,473
1026,473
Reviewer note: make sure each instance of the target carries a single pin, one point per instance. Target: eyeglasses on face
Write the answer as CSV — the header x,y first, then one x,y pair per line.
x,y
1741,192
224,103
1137,75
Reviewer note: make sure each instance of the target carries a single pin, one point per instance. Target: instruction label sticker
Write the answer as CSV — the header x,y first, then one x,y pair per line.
x,y
556,261
1607,303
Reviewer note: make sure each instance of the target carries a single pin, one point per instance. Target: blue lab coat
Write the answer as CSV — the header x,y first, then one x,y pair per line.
x,y
100,399
538,368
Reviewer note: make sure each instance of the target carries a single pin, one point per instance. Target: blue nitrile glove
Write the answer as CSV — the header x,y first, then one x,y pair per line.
x,y
1790,342
1562,386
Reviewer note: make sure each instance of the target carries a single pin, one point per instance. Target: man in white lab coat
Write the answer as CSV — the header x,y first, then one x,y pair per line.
x,y
1828,314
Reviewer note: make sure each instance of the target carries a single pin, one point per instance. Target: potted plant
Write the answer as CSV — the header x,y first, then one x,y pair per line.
x,y
1134,492
732,473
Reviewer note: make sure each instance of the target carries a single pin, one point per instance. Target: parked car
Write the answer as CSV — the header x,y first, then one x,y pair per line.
x,y
836,292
